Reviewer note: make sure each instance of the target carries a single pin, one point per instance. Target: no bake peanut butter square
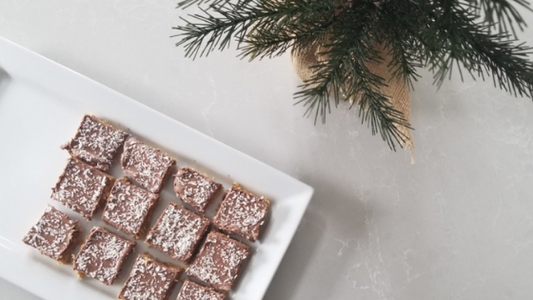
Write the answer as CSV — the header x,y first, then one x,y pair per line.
x,y
96,142
82,188
54,235
146,165
150,279
195,188
219,262
194,291
242,212
178,232
102,255
129,207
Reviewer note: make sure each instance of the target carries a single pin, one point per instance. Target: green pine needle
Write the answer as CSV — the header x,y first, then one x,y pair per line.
x,y
476,36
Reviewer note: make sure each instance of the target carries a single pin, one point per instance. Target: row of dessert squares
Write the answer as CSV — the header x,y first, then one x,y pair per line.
x,y
103,254
84,187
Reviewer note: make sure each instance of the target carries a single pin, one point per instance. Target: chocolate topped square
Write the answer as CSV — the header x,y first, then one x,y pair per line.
x,y
82,188
102,255
219,261
128,207
178,232
242,213
96,143
193,291
150,279
55,235
195,189
147,165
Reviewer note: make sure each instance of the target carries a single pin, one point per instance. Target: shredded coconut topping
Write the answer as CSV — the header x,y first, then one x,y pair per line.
x,y
195,189
52,234
146,165
242,213
96,143
177,232
102,255
80,188
150,280
194,291
128,206
219,261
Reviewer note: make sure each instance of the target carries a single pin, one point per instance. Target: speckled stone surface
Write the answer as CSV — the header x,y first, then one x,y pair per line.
x,y
458,224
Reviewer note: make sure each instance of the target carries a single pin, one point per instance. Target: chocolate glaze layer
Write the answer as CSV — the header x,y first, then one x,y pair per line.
x,y
146,165
193,291
178,232
242,212
82,188
219,261
150,279
128,207
102,255
96,143
54,235
195,188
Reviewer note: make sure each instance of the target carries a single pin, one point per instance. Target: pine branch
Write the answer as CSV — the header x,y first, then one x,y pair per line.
x,y
345,75
188,3
477,36
299,36
399,41
501,14
469,44
219,25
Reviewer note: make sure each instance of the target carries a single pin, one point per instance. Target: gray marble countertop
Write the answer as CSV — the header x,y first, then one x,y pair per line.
x,y
457,224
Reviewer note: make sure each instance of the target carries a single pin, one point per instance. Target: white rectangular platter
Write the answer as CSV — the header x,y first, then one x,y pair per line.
x,y
41,104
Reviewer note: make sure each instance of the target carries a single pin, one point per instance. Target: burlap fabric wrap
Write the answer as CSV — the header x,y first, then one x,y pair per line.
x,y
396,89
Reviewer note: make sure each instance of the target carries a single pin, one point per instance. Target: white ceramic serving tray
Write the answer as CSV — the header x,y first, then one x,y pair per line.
x,y
41,104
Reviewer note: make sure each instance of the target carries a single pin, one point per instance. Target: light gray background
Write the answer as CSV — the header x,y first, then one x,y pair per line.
x,y
458,224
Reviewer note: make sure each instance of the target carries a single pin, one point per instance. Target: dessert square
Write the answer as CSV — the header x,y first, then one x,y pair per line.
x,y
195,188
96,143
147,165
219,261
102,255
55,235
242,213
193,291
82,188
129,207
150,279
178,232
